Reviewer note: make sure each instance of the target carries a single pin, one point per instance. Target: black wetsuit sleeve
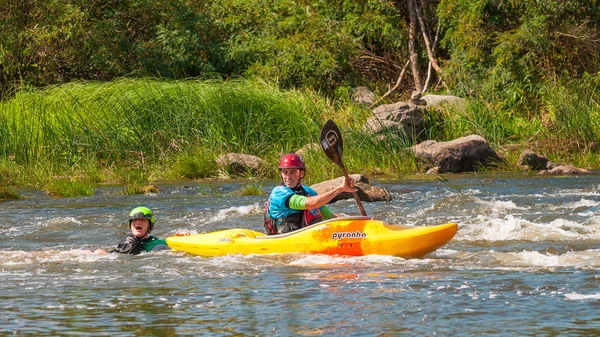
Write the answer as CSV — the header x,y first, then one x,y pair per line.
x,y
130,245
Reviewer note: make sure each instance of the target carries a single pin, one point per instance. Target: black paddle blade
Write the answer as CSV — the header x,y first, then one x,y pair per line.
x,y
331,142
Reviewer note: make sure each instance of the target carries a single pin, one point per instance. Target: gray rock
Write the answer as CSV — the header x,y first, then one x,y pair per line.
x,y
363,95
366,192
401,118
441,101
309,148
240,163
532,160
458,155
565,170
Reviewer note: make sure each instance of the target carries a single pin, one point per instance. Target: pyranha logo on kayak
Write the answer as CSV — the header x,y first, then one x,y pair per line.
x,y
348,235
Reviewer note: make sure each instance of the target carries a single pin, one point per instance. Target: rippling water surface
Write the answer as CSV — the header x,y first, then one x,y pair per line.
x,y
524,262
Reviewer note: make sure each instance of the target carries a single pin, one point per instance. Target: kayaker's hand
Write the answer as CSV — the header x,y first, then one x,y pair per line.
x,y
182,233
348,185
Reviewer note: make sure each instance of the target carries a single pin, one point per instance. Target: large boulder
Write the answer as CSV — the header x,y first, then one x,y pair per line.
x,y
366,192
405,119
399,118
458,155
240,163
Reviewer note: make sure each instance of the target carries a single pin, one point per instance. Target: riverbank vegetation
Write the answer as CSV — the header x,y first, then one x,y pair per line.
x,y
138,91
137,131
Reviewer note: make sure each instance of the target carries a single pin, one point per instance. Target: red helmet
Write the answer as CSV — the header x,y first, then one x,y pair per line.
x,y
292,160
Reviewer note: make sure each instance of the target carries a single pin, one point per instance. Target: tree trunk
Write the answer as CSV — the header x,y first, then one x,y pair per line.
x,y
426,38
413,56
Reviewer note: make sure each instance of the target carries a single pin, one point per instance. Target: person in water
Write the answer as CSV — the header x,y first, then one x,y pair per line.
x,y
292,205
141,223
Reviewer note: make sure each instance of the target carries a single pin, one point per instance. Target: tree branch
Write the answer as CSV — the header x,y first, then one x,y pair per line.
x,y
393,88
428,45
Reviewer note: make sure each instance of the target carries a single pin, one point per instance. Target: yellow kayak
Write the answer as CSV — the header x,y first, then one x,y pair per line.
x,y
351,236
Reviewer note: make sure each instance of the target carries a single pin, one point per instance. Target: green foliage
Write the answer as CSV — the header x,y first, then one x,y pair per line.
x,y
194,166
289,41
528,68
311,44
477,117
253,189
67,187
141,121
49,42
9,194
574,109
185,125
10,172
504,50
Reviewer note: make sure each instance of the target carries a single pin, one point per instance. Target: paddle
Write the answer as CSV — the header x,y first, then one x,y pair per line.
x,y
332,144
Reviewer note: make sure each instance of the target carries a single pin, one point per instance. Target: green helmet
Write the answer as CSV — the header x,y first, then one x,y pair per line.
x,y
142,213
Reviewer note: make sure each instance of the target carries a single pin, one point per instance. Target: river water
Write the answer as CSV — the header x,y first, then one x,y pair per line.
x,y
524,262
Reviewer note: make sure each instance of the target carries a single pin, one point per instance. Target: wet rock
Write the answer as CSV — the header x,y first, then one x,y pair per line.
x,y
366,192
532,160
565,170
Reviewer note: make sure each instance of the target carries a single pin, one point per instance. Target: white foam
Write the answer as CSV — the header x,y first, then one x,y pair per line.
x,y
499,206
19,257
236,211
512,227
575,296
582,203
321,259
581,259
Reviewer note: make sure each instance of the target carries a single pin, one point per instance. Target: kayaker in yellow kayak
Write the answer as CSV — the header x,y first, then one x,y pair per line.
x,y
292,205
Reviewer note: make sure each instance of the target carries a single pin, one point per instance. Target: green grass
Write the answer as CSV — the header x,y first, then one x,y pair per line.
x,y
134,132
574,109
9,194
65,187
134,121
253,189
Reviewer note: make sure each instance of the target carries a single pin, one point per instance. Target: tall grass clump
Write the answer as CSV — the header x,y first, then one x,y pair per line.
x,y
65,187
9,194
10,172
573,109
497,126
388,153
194,165
138,122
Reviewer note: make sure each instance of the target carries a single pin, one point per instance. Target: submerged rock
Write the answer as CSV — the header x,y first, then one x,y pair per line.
x,y
565,170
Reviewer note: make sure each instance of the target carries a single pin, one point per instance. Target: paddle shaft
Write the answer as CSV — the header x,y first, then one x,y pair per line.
x,y
362,209
331,141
